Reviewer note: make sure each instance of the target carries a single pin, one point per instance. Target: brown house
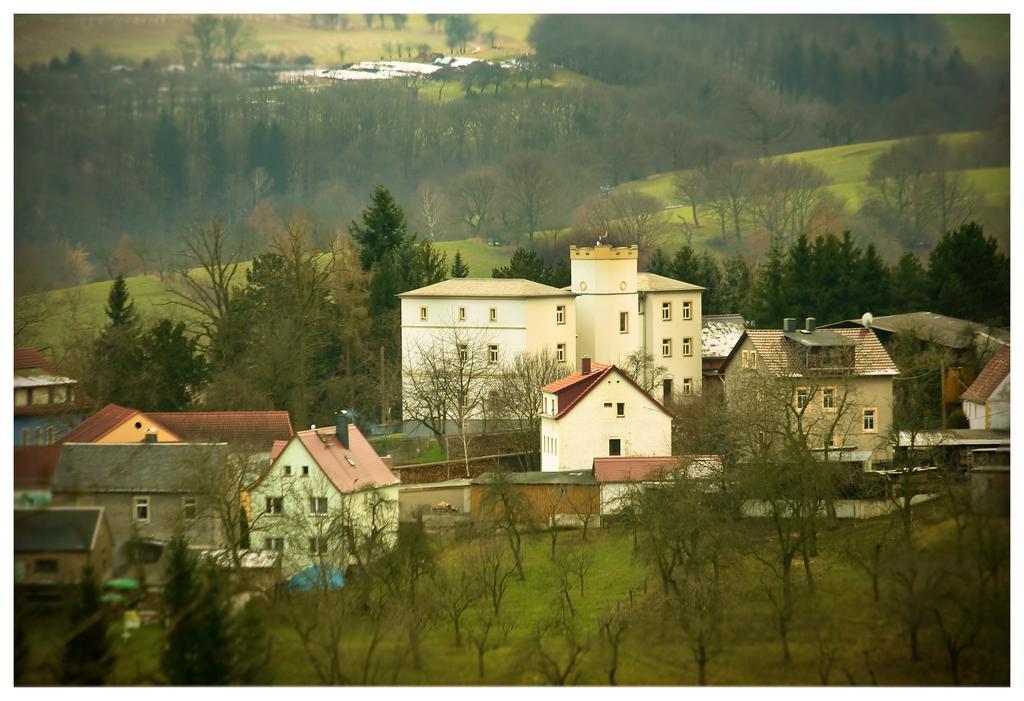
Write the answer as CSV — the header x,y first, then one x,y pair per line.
x,y
52,546
570,498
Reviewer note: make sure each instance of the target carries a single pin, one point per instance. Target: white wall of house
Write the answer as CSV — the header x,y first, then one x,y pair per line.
x,y
678,330
993,415
584,433
297,523
604,280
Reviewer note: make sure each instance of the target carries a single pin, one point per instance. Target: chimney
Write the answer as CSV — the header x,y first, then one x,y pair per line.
x,y
341,422
789,324
585,369
151,435
809,325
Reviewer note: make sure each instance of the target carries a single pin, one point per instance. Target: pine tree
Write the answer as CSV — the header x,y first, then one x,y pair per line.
x,y
382,230
659,263
120,308
174,367
87,658
970,278
909,285
735,285
459,268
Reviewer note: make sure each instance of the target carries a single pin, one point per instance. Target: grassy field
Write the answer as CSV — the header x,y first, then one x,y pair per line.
x,y
868,642
980,36
83,306
38,38
848,168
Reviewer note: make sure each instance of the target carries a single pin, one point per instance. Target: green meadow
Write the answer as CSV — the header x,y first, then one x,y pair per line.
x,y
38,38
863,635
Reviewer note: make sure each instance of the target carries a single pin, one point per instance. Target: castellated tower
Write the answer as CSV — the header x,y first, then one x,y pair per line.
x,y
608,323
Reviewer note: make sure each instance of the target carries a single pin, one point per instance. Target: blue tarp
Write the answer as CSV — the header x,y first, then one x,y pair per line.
x,y
313,578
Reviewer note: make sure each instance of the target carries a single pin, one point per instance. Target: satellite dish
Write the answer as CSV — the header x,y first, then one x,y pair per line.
x,y
866,320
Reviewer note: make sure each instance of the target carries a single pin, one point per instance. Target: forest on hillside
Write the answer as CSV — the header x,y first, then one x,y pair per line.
x,y
115,160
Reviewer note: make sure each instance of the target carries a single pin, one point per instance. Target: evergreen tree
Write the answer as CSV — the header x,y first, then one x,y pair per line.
x,y
909,285
120,309
659,264
525,264
768,298
970,278
412,265
873,284
199,649
87,658
382,230
735,285
459,268
175,367
796,294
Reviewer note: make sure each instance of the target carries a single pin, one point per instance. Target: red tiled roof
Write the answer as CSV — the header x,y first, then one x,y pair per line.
x,y
31,359
276,449
990,377
572,388
34,465
99,424
258,428
782,357
365,469
625,469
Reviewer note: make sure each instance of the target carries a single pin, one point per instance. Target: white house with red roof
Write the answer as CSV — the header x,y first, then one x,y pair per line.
x,y
600,411
320,482
986,402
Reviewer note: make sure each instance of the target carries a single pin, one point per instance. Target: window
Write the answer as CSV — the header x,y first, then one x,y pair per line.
x,y
26,436
51,435
492,314
687,311
492,354
828,398
49,395
870,420
141,509
623,322
687,347
560,314
560,352
423,313
317,546
463,352
462,313
687,386
28,395
830,441
745,359
305,470
803,394
666,311
318,505
47,566
620,409
188,508
273,544
275,505
287,470
666,389
614,446
666,348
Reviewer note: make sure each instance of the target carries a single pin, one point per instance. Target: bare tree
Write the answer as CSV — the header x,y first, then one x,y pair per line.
x,y
517,394
644,370
491,570
765,119
448,379
532,187
626,218
508,509
476,196
558,649
691,187
488,631
728,188
613,628
456,592
784,195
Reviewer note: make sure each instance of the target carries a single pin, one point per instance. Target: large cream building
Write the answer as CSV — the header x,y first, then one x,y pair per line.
x,y
610,311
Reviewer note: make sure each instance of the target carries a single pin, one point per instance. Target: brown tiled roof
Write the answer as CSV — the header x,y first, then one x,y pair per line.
x,y
990,377
573,387
782,356
256,428
99,424
276,449
34,465
625,469
31,359
365,469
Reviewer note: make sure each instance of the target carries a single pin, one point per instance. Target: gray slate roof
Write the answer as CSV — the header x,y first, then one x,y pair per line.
x,y
651,282
569,477
135,467
487,287
928,326
55,529
719,334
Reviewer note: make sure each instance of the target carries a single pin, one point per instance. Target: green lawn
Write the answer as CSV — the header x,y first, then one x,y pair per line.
x,y
865,634
38,38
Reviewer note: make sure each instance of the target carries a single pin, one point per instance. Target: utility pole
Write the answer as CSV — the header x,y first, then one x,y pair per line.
x,y
383,401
